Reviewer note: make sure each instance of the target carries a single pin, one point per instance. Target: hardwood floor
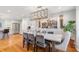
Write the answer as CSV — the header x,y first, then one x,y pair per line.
x,y
14,44
71,46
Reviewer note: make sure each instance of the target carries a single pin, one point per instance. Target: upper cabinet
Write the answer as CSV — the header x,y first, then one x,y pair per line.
x,y
40,14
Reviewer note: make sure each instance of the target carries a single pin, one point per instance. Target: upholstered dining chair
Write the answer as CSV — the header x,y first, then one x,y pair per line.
x,y
25,38
31,40
6,33
41,42
64,44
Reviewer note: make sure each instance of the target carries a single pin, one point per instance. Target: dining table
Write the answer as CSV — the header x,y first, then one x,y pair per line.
x,y
51,38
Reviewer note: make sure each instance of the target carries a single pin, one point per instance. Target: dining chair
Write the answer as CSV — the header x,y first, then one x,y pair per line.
x,y
31,40
25,38
6,33
41,42
64,44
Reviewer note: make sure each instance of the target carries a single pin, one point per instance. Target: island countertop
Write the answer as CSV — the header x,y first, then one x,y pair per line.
x,y
1,34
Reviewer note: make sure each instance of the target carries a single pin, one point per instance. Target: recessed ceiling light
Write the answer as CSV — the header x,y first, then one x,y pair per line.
x,y
8,10
59,7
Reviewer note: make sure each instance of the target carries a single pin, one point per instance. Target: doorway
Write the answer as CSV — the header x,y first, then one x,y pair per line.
x,y
16,28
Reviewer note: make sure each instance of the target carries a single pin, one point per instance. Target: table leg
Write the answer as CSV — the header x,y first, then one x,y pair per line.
x,y
53,46
50,47
34,48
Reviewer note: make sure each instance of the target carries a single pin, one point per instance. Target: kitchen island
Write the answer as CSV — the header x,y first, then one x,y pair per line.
x,y
1,34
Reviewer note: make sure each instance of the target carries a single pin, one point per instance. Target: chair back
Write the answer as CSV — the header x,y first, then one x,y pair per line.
x,y
40,41
6,31
25,35
63,46
31,38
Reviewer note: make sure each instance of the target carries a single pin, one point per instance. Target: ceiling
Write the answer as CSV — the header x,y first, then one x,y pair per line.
x,y
17,12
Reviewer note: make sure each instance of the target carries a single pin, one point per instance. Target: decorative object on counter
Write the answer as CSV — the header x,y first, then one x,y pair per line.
x,y
50,23
44,25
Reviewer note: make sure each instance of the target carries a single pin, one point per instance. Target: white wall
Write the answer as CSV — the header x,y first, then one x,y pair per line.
x,y
27,22
77,28
68,15
24,25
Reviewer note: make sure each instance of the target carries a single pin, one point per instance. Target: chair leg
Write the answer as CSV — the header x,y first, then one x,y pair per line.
x,y
27,46
33,48
36,48
49,48
3,35
7,35
23,43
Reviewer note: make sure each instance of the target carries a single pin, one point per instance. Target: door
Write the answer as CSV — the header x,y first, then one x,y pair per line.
x,y
16,28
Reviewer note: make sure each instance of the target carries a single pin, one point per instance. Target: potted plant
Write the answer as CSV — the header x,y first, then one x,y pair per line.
x,y
70,26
